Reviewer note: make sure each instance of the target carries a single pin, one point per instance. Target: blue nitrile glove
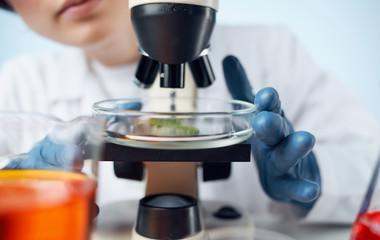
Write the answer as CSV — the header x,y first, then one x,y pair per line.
x,y
48,154
286,164
136,106
62,148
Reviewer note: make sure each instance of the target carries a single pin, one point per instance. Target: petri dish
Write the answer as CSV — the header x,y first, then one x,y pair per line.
x,y
176,123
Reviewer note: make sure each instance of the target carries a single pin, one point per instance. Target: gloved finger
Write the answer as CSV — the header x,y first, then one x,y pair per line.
x,y
27,161
13,165
267,99
270,128
66,156
300,190
294,147
23,162
237,80
129,106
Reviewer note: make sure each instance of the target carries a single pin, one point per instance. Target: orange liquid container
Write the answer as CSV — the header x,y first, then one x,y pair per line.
x,y
45,205
366,227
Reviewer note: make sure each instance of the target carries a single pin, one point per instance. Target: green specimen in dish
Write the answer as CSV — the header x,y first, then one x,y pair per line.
x,y
174,123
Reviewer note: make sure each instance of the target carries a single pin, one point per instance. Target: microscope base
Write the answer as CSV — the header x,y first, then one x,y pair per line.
x,y
116,222
200,236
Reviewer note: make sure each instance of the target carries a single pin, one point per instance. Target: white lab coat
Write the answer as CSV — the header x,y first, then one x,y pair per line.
x,y
66,84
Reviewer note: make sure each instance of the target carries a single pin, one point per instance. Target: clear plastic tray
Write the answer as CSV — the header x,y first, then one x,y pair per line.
x,y
176,123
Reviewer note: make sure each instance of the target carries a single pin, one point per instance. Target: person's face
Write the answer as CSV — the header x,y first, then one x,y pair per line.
x,y
75,22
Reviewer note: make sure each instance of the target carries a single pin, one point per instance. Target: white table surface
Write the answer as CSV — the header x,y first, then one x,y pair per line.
x,y
304,232
115,222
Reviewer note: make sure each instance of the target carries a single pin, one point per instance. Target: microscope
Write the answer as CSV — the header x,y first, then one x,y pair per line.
x,y
174,42
172,34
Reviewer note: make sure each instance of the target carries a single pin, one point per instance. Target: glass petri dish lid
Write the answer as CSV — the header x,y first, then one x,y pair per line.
x,y
176,123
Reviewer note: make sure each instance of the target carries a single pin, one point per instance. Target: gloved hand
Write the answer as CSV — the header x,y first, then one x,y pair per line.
x,y
49,154
62,148
286,164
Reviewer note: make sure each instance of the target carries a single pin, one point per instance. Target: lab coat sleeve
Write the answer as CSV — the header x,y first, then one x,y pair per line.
x,y
347,134
51,83
21,91
9,93
23,86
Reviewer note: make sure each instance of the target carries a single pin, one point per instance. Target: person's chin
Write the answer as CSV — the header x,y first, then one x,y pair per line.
x,y
92,41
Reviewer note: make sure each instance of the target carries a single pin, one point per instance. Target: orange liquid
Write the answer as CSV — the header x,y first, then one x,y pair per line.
x,y
366,227
45,205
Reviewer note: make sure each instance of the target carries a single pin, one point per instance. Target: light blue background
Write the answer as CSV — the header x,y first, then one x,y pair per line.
x,y
343,36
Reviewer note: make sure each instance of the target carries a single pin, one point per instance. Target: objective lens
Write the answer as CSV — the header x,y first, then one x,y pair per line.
x,y
146,72
202,71
172,75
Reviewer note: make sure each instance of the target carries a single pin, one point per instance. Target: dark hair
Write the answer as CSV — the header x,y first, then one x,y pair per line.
x,y
5,5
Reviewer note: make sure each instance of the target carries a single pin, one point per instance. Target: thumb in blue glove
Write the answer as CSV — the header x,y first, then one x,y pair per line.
x,y
287,167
